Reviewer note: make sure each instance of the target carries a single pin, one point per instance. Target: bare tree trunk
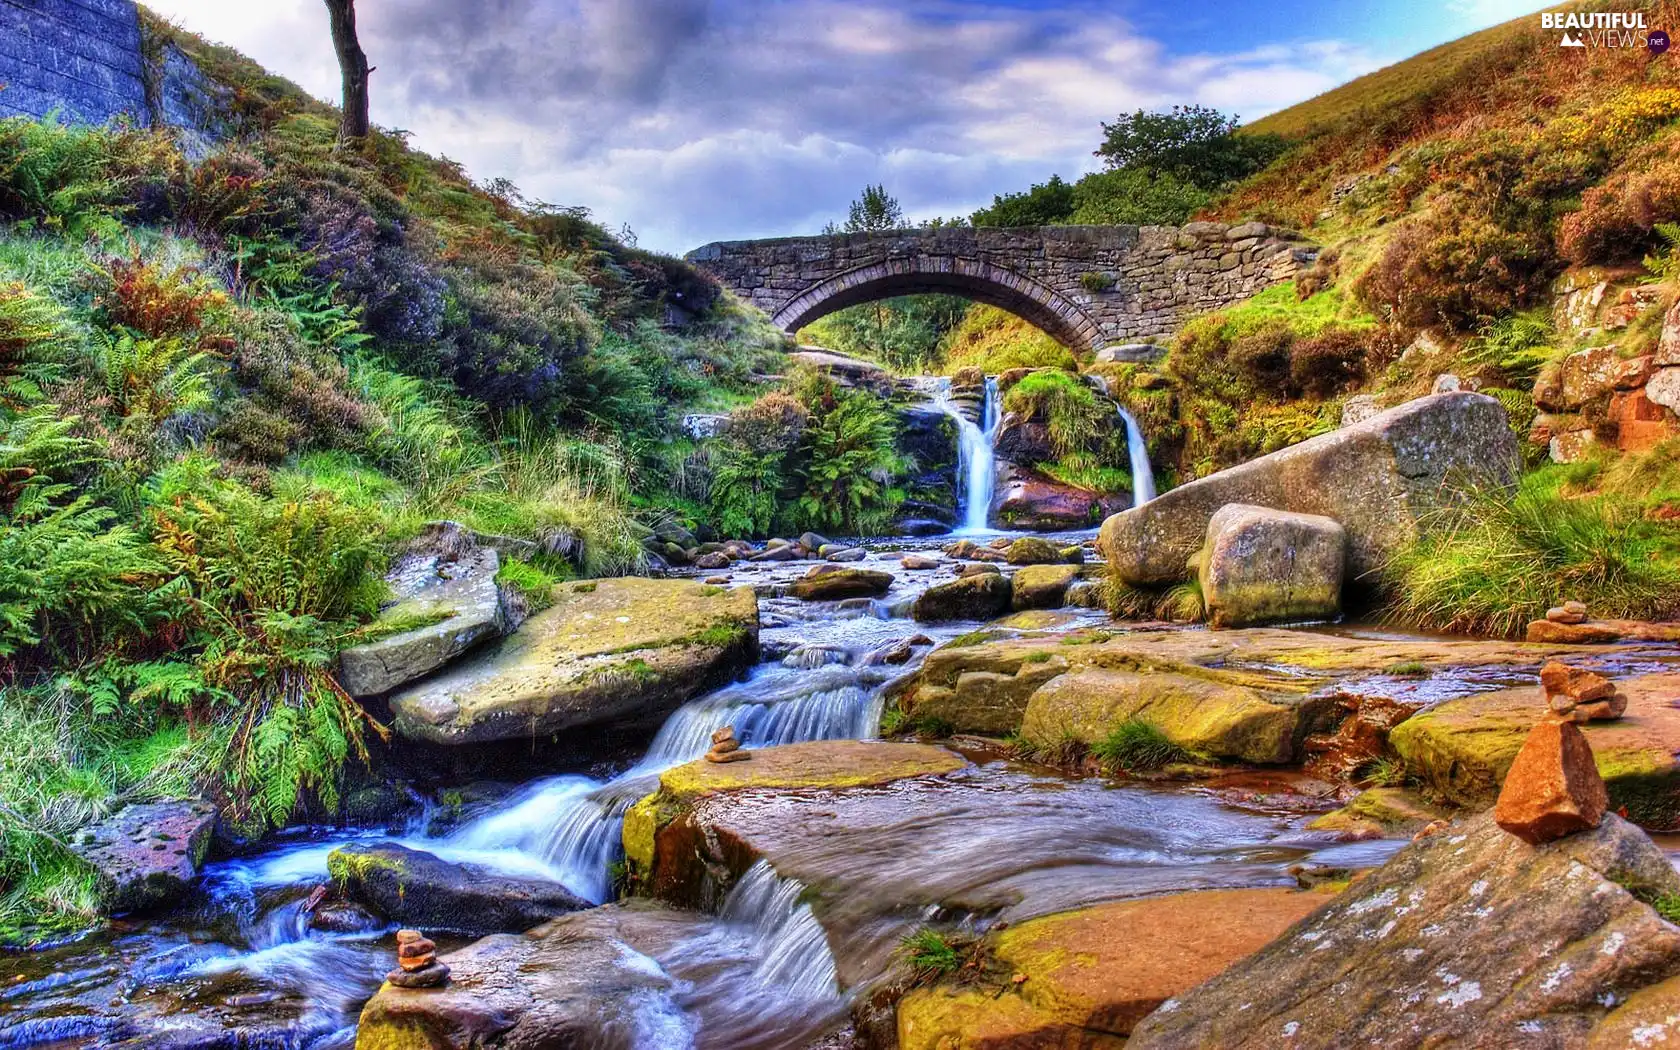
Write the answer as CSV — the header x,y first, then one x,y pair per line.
x,y
352,61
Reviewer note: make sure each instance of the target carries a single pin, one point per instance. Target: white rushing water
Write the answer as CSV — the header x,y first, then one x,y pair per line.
x,y
1143,475
976,456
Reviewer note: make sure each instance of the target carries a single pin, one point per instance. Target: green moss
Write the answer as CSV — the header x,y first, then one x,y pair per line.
x,y
972,638
348,867
1408,669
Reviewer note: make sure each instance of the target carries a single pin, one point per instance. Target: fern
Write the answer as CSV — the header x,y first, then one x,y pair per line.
x,y
32,338
1664,265
153,379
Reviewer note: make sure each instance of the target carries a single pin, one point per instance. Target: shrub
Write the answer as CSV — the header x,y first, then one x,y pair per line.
x,y
1518,344
1136,197
1138,746
1617,220
1328,363
745,488
157,301
1457,268
1497,563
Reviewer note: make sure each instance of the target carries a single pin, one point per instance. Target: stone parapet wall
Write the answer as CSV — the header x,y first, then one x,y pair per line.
x,y
1089,286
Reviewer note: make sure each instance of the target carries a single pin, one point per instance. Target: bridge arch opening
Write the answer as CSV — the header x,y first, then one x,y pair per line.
x,y
1059,317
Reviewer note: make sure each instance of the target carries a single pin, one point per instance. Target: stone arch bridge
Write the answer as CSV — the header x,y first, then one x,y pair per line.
x,y
1087,286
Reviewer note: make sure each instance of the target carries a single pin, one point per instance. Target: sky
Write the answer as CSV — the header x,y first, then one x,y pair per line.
x,y
698,120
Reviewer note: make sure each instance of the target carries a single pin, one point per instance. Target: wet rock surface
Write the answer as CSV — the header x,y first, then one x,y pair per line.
x,y
1469,936
447,578
415,888
977,597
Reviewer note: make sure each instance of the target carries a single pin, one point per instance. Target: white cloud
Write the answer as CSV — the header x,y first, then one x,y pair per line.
x,y
694,121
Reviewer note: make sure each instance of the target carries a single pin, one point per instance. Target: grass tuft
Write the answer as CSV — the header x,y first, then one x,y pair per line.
x,y
1138,746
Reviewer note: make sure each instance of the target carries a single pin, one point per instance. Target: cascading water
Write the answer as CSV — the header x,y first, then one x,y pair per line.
x,y
1137,449
976,457
1143,475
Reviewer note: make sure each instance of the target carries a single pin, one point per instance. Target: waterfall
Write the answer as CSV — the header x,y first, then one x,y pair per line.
x,y
569,828
794,958
976,460
1143,475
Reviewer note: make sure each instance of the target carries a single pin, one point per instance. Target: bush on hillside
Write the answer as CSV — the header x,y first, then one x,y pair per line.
x,y
1617,220
1456,268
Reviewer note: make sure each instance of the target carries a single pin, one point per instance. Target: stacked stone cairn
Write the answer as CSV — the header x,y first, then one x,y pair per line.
x,y
417,965
1554,788
725,748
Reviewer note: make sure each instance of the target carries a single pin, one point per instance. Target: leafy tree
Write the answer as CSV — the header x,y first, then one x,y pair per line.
x,y
1194,143
876,209
1045,204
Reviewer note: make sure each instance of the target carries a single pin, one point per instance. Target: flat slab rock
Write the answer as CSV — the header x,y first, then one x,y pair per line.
x,y
455,587
608,651
148,854
1093,974
1463,748
1251,694
1469,937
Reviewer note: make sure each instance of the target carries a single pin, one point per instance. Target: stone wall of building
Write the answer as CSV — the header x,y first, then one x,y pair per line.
x,y
1089,286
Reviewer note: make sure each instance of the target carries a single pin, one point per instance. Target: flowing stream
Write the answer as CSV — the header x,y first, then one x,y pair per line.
x,y
243,964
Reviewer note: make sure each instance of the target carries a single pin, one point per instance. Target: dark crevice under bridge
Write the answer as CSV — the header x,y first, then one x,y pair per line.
x,y
1087,286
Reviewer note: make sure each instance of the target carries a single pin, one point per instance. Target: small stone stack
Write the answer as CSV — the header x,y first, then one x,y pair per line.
x,y
1568,612
417,965
1553,788
725,748
1580,696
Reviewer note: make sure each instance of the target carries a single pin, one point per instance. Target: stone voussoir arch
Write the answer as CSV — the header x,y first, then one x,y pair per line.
x,y
972,278
1087,286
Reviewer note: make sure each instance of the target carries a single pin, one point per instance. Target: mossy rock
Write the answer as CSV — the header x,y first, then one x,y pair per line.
x,y
612,651
1042,586
1463,748
1200,710
1090,975
1381,811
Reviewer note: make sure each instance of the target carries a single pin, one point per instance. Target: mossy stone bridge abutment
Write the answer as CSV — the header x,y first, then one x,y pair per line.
x,y
1087,286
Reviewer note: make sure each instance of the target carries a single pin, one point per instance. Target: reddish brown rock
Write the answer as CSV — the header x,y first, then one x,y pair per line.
x,y
1601,632
1553,788
1641,423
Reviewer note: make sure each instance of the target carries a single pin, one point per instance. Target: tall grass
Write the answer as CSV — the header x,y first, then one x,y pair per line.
x,y
1494,564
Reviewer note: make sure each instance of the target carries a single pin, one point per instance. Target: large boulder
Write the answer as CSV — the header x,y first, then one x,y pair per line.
x,y
1463,748
1093,974
146,855
416,889
978,597
1380,479
1271,566
1025,500
831,583
1468,937
446,586
1024,442
617,651
1032,550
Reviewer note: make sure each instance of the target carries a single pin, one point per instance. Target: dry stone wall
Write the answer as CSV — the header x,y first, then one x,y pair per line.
x,y
1089,286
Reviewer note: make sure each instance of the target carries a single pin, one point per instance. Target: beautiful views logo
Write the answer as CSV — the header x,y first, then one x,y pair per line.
x,y
1605,29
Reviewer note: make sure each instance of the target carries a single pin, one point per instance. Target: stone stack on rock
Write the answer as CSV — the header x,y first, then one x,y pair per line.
x,y
1553,788
725,748
1568,612
417,965
1579,695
